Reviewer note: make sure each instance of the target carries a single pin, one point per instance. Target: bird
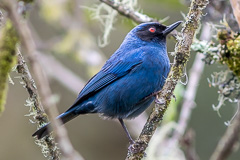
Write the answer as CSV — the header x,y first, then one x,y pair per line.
x,y
128,82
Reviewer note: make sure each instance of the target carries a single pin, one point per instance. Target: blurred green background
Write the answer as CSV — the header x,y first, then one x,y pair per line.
x,y
93,137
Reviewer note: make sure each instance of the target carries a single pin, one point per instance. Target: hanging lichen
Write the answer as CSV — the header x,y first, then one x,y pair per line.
x,y
224,51
8,43
107,16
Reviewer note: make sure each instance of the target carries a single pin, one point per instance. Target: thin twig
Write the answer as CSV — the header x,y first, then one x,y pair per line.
x,y
188,144
229,139
123,10
43,84
182,50
133,15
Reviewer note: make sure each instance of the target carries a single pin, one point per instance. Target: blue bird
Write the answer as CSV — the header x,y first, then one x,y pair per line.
x,y
128,82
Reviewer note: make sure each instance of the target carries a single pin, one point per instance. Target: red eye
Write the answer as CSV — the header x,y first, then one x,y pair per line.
x,y
152,29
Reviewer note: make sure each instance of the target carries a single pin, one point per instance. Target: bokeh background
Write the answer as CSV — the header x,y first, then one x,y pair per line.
x,y
71,36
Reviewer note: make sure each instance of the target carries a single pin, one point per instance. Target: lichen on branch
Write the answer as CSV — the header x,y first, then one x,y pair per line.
x,y
48,146
8,43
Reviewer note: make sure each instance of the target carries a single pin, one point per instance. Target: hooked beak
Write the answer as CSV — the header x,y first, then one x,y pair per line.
x,y
171,28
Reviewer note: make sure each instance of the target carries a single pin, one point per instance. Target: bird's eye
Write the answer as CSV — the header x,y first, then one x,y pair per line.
x,y
152,29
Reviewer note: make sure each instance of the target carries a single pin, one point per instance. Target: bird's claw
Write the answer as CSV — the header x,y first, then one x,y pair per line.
x,y
136,147
131,141
159,102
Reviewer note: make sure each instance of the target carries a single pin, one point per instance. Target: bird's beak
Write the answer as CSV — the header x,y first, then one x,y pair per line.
x,y
171,27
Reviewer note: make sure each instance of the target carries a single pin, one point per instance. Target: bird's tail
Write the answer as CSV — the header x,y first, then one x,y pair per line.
x,y
45,130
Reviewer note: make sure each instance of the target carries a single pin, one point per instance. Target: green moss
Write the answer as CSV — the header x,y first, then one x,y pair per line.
x,y
230,50
8,42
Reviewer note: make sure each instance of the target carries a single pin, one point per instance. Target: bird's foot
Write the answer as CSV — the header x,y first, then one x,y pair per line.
x,y
131,141
137,147
159,101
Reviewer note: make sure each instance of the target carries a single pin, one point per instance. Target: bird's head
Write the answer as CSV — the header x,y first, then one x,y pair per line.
x,y
153,31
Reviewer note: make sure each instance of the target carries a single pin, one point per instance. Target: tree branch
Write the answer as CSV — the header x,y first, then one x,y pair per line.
x,y
48,145
129,13
188,145
43,84
229,139
182,50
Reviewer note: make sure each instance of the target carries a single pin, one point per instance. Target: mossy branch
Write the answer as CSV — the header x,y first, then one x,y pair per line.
x,y
8,56
48,146
8,43
133,15
123,10
182,50
43,85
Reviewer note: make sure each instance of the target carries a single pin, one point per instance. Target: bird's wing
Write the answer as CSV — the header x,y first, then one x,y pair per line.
x,y
106,76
